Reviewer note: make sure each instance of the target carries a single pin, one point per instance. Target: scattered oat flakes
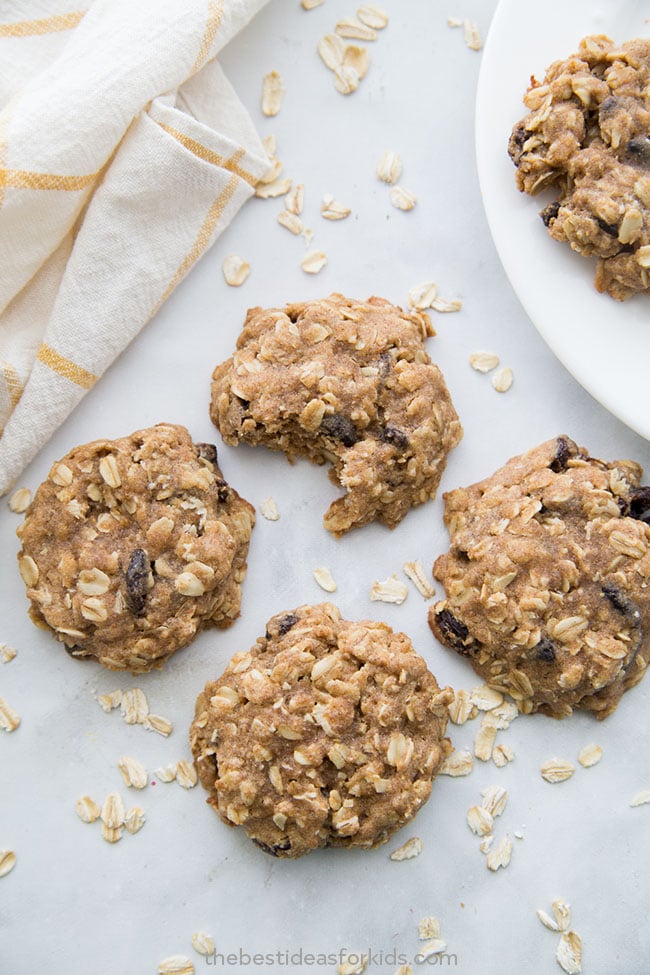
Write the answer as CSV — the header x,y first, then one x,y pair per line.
x,y
295,199
134,706
494,800
87,809
402,199
176,965
486,844
331,209
479,820
502,755
484,742
357,58
290,221
389,168
331,50
269,509
20,500
9,719
442,305
133,772
134,819
547,920
112,834
307,235
590,755
454,22
155,722
390,590
557,770
272,173
7,653
310,4
569,953
108,702
499,856
404,970
372,16
272,93
112,811
415,572
461,708
203,943
429,927
186,774
485,698
562,914
641,798
460,762
483,361
518,835
324,578
503,715
351,27
353,967
421,295
407,851
235,270
279,187
166,773
434,947
7,862
471,35
346,79
313,262
502,379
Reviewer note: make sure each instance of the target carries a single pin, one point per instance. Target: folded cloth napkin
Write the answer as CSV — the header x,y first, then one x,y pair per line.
x,y
124,152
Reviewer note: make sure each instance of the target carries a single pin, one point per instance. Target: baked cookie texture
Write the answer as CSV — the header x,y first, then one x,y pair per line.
x,y
587,135
546,579
326,733
132,546
344,382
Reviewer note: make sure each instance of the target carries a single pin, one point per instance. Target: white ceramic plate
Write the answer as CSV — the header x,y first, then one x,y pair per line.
x,y
605,344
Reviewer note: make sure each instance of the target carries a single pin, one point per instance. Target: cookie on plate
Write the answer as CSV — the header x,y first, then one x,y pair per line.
x,y
586,135
344,382
131,546
326,733
547,579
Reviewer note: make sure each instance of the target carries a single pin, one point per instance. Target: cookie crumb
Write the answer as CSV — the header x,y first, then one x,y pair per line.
x,y
390,590
20,500
269,509
407,851
325,580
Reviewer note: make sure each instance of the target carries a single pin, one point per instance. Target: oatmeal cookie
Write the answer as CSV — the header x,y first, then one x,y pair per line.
x,y
547,579
339,381
131,546
327,733
588,136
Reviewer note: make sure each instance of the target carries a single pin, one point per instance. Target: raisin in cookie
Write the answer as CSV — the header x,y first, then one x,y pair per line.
x,y
131,546
547,579
327,733
588,136
345,382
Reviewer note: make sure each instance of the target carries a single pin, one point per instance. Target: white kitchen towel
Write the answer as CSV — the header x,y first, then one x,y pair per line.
x,y
124,153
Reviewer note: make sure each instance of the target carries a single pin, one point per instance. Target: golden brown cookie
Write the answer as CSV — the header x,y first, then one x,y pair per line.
x,y
547,579
347,383
131,546
326,733
588,136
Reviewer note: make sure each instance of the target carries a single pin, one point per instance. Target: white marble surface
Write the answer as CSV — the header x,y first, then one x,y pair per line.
x,y
75,904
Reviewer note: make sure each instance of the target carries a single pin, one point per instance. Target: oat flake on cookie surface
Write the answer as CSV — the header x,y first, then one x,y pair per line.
x,y
546,579
586,136
348,383
326,733
132,546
